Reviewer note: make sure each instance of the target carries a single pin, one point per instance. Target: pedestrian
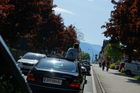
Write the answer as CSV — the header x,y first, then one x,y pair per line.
x,y
121,66
103,65
100,65
73,53
107,65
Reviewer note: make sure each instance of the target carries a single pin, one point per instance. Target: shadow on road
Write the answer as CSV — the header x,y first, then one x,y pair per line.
x,y
134,81
121,74
129,80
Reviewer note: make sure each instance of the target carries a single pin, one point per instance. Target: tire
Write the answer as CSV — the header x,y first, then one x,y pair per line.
x,y
128,72
81,91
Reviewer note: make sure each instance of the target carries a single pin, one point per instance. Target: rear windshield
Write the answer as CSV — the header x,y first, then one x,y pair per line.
x,y
58,65
29,56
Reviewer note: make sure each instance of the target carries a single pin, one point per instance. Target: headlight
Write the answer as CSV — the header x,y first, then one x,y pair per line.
x,y
19,64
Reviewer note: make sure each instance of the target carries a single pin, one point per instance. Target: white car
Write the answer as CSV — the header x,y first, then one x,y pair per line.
x,y
29,60
132,68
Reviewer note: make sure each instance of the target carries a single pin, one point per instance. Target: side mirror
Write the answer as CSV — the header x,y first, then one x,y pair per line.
x,y
84,70
20,57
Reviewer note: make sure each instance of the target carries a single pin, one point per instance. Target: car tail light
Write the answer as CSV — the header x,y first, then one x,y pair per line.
x,y
30,77
75,83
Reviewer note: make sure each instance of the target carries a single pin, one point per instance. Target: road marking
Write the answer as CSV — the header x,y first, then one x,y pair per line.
x,y
100,84
93,81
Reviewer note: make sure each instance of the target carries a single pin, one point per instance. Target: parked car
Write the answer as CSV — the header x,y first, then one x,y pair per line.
x,y
132,68
28,60
87,65
56,74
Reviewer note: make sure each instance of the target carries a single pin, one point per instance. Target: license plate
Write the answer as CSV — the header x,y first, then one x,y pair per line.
x,y
52,81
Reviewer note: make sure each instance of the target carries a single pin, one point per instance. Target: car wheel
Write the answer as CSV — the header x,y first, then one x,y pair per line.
x,y
128,72
81,91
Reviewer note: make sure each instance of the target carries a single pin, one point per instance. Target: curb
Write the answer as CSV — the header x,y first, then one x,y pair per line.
x,y
99,82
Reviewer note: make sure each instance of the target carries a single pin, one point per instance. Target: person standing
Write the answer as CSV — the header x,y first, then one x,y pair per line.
x,y
107,65
73,53
103,65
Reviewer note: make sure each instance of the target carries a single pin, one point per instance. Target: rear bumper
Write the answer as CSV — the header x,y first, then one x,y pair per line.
x,y
35,87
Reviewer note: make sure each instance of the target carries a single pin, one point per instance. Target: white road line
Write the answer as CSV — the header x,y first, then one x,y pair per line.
x,y
93,81
100,84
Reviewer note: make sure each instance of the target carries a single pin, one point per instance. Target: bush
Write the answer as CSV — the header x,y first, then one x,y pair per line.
x,y
112,66
137,77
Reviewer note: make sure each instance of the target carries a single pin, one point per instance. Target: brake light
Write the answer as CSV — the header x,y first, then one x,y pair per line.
x,y
30,77
75,83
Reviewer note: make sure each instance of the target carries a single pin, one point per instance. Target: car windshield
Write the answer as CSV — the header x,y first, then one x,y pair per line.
x,y
59,65
86,64
29,56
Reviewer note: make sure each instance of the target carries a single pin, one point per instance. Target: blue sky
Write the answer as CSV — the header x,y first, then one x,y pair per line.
x,y
87,15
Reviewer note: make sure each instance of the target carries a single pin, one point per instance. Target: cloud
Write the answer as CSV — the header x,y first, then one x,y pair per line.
x,y
63,11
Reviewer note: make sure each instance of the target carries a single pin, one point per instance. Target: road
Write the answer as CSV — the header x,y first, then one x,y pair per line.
x,y
115,82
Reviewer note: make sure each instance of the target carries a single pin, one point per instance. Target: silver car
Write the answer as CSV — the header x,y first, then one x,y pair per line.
x,y
29,60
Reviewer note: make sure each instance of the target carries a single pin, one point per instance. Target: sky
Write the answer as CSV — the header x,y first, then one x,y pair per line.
x,y
87,15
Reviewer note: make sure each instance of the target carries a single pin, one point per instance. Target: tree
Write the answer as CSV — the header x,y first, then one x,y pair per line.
x,y
33,26
113,51
84,56
20,24
124,26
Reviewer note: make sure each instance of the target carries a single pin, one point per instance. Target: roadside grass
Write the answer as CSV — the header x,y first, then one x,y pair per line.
x,y
137,77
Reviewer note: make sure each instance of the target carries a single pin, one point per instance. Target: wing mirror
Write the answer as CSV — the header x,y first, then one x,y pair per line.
x,y
20,57
84,70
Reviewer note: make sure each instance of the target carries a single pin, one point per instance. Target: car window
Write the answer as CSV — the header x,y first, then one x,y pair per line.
x,y
29,56
86,64
57,65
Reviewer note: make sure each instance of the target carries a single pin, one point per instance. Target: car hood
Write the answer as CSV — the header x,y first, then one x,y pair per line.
x,y
28,61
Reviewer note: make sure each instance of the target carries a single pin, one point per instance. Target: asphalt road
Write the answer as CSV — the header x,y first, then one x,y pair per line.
x,y
115,82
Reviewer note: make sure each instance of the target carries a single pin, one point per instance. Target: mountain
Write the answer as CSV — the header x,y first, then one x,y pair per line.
x,y
91,49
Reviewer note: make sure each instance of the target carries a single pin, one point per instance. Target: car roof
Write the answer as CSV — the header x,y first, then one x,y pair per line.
x,y
36,54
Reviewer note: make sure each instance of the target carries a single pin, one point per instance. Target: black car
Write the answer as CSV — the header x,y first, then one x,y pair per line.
x,y
87,65
56,74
